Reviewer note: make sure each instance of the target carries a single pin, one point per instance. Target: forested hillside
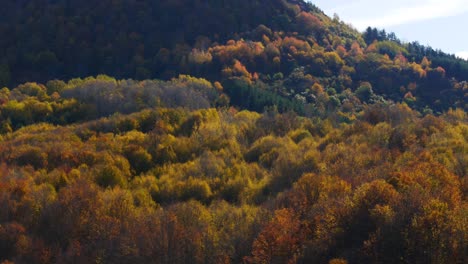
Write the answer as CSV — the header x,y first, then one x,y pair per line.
x,y
284,46
225,132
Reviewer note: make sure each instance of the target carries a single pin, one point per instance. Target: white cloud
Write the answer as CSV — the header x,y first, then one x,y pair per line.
x,y
381,14
462,54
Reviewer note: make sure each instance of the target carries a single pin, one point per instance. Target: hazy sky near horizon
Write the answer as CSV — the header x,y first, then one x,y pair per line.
x,y
440,24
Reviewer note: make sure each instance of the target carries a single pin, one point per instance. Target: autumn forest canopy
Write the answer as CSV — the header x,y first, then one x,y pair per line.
x,y
220,131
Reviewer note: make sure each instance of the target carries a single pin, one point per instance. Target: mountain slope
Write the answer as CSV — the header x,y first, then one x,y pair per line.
x,y
283,46
59,39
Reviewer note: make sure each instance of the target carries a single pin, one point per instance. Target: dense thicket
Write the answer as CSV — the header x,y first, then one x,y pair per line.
x,y
101,170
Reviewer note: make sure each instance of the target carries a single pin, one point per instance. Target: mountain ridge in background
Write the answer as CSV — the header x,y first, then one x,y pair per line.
x,y
162,39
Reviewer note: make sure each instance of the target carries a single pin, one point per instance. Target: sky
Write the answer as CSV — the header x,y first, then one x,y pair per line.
x,y
440,24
